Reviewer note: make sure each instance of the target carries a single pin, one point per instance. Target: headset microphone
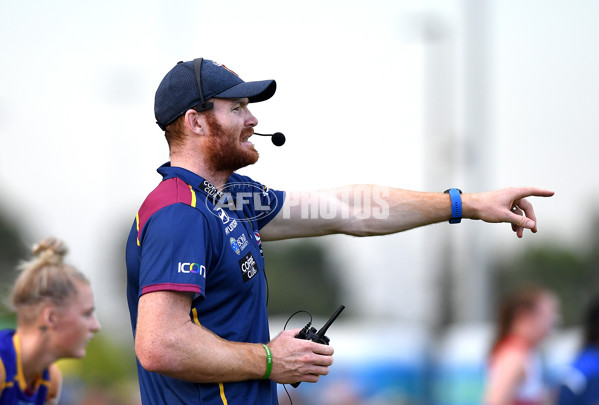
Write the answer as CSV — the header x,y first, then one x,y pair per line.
x,y
277,138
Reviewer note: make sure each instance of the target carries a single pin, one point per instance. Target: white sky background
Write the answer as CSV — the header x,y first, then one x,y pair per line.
x,y
79,146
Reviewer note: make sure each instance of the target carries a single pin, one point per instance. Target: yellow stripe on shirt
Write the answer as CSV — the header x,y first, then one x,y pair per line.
x,y
193,197
3,383
222,393
20,377
137,226
223,397
195,317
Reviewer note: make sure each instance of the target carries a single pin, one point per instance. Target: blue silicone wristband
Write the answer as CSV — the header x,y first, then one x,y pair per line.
x,y
456,205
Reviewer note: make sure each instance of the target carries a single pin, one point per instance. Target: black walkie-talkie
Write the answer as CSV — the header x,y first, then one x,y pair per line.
x,y
309,333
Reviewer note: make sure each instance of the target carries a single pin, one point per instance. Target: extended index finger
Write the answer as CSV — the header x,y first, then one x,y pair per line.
x,y
534,192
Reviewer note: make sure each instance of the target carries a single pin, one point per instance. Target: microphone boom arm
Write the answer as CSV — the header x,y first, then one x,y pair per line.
x,y
277,138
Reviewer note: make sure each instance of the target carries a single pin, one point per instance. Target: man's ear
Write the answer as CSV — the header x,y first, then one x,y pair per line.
x,y
195,122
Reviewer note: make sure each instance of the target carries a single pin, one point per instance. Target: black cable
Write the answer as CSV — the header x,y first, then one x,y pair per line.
x,y
294,314
267,289
288,395
284,328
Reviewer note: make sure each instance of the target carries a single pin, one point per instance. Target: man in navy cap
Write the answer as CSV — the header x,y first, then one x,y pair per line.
x,y
195,270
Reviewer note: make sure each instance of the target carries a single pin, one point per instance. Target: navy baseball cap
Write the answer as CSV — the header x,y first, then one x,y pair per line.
x,y
178,91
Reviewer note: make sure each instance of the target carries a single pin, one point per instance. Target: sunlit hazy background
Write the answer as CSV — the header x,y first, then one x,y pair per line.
x,y
417,94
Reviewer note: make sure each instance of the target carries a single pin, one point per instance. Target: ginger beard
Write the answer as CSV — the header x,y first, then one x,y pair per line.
x,y
225,151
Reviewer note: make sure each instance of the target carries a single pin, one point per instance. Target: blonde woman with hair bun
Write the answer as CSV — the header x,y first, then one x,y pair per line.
x,y
54,305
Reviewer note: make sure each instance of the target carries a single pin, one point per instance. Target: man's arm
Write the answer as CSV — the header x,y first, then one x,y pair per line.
x,y
366,210
169,343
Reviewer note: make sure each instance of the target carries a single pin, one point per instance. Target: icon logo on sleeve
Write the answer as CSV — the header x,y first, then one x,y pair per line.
x,y
192,268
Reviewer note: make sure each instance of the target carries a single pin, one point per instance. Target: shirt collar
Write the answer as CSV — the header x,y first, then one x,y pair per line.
x,y
198,182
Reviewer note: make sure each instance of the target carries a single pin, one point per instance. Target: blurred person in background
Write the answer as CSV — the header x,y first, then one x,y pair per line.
x,y
516,375
580,382
54,305
196,285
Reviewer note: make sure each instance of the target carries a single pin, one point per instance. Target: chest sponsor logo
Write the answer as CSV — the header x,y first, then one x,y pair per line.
x,y
259,241
192,268
239,244
248,266
235,246
211,190
223,215
232,225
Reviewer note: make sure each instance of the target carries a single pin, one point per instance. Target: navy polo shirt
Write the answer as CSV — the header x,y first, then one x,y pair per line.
x,y
188,236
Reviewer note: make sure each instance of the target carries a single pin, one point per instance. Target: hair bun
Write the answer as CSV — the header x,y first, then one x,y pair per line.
x,y
50,250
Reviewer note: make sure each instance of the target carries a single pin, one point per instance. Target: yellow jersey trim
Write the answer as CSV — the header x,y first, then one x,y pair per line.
x,y
222,393
194,312
223,397
193,197
137,226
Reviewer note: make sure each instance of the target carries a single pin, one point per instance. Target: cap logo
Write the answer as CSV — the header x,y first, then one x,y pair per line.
x,y
223,66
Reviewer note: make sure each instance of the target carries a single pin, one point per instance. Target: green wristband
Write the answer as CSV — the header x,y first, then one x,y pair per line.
x,y
268,362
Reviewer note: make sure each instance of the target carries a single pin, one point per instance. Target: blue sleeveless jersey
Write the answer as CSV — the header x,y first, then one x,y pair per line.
x,y
14,388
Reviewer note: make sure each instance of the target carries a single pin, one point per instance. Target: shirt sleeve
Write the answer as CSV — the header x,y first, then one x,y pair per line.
x,y
260,204
274,200
175,251
266,203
